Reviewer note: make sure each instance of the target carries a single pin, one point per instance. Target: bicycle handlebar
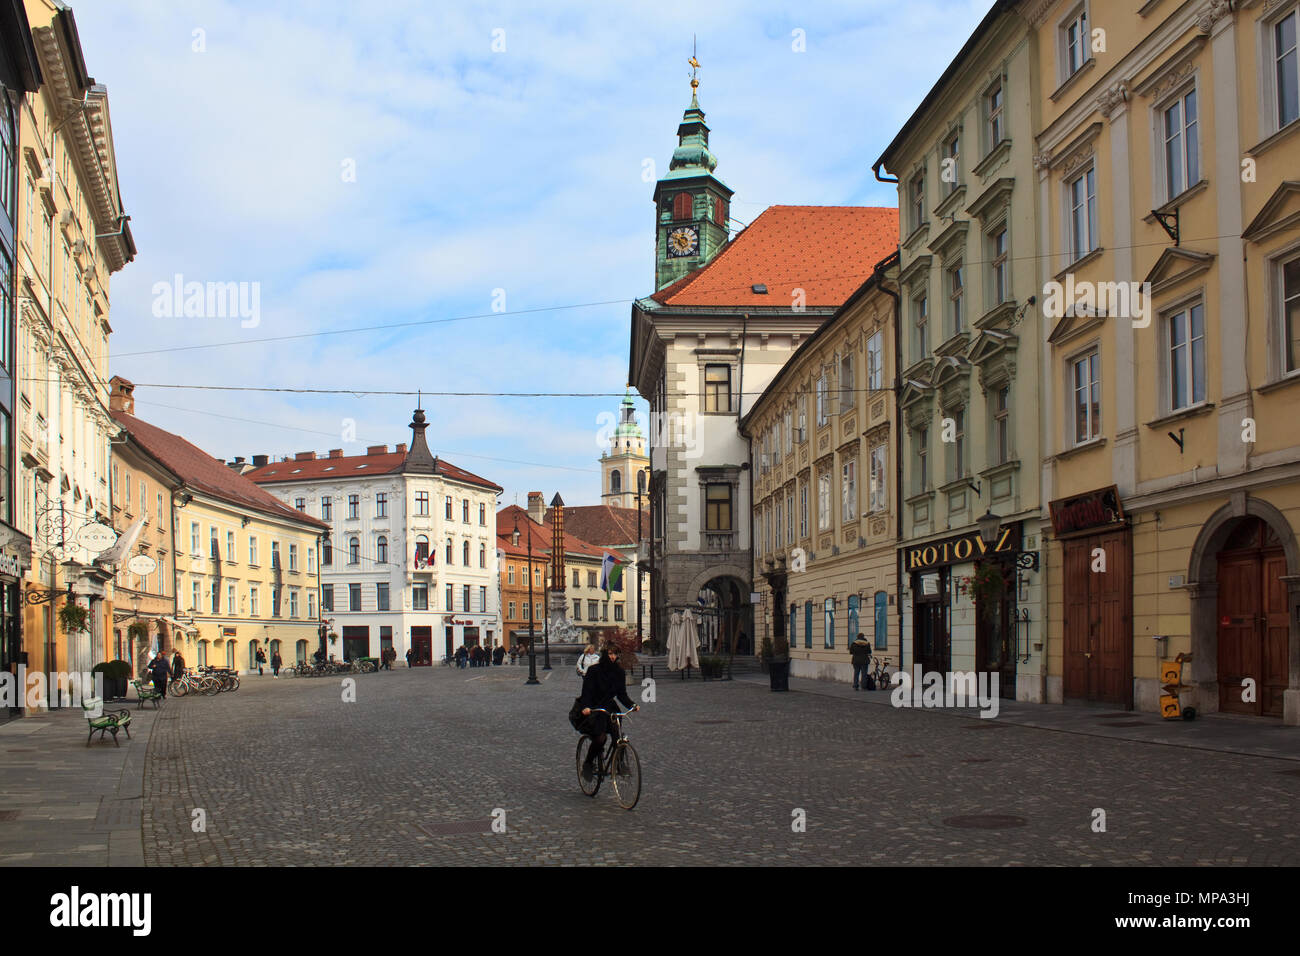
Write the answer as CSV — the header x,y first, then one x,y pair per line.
x,y
615,713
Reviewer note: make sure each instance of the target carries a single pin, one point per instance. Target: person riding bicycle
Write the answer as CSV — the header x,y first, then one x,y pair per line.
x,y
602,685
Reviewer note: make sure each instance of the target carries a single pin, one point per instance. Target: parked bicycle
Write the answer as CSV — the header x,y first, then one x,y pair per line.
x,y
619,762
194,683
880,674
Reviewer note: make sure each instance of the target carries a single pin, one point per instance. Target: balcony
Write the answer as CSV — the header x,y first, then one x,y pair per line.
x,y
724,541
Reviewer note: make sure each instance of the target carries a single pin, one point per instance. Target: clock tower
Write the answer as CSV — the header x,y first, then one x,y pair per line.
x,y
691,204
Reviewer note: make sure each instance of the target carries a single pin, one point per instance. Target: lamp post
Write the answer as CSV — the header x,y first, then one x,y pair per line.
x,y
989,525
532,650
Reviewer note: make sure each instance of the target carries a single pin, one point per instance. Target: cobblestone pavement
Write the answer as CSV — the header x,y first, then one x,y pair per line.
x,y
288,773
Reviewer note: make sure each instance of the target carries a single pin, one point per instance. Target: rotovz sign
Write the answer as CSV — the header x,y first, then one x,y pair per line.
x,y
964,547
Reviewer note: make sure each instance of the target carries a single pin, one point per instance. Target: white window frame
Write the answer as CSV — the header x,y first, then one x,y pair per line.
x,y
846,381
876,361
822,396
1186,358
1078,18
1093,351
803,510
1272,120
878,499
1089,207
999,265
824,516
995,118
956,294
1288,361
1189,160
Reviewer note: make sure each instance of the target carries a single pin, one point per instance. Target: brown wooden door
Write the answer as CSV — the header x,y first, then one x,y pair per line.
x,y
1098,619
1253,631
421,646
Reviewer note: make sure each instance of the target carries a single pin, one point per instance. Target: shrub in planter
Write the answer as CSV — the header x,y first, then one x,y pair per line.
x,y
116,674
711,667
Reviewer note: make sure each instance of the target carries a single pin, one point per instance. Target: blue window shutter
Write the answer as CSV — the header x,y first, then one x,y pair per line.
x,y
882,622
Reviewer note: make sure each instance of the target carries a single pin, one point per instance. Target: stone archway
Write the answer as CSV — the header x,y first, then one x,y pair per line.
x,y
1203,588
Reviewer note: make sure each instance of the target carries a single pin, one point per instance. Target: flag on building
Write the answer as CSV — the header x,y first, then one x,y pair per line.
x,y
611,575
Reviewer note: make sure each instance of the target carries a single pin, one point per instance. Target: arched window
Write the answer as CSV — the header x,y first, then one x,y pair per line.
x,y
421,551
615,482
230,654
482,555
381,550
829,608
449,557
682,204
851,634
807,624
464,553
327,552
252,655
354,551
301,652
882,621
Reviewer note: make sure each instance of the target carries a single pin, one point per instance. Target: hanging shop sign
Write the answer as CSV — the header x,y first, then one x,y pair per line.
x,y
1094,509
141,564
960,548
95,538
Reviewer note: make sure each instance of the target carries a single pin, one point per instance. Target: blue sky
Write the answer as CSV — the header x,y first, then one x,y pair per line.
x,y
475,170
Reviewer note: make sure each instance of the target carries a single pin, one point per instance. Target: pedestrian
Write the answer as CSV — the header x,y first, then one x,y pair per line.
x,y
498,655
860,651
159,672
589,657
261,659
514,654
742,643
462,655
178,666
408,657
275,665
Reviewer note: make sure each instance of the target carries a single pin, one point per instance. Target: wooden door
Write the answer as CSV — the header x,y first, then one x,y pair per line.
x,y
1098,617
421,646
1252,631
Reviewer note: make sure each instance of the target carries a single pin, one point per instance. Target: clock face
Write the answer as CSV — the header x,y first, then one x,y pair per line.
x,y
683,241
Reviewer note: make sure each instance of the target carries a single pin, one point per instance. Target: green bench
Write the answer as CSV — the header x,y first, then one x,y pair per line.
x,y
108,721
145,694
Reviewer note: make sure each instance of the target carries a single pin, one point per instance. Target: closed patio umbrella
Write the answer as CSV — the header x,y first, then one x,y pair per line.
x,y
676,646
691,641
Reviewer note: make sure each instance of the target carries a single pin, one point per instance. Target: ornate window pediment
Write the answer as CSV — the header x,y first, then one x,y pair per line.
x,y
1177,265
994,354
952,379
1280,212
916,274
992,200
953,235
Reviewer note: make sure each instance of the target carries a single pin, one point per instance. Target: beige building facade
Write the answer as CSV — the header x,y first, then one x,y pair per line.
x,y
825,519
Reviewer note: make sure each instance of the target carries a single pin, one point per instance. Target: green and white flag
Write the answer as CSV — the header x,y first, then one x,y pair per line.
x,y
611,575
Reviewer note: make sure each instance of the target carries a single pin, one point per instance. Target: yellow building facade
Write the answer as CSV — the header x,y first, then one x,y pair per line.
x,y
1168,158
72,235
245,565
825,488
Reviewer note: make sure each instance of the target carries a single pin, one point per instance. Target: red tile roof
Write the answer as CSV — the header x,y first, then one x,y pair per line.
x,y
541,536
204,473
606,525
828,251
349,466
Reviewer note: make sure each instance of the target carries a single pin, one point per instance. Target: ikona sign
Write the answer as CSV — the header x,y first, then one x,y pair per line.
x,y
963,547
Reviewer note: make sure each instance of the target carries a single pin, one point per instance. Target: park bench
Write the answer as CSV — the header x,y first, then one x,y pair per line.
x,y
108,721
145,694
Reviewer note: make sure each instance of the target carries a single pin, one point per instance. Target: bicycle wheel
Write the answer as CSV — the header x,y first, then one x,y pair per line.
x,y
210,686
178,688
234,683
589,787
626,774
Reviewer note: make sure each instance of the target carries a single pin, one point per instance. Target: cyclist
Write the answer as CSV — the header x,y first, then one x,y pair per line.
x,y
602,685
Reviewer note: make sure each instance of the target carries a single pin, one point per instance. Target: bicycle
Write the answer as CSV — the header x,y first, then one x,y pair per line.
x,y
199,684
881,673
619,762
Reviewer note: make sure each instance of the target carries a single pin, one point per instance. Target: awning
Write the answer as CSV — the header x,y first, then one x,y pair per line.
x,y
187,628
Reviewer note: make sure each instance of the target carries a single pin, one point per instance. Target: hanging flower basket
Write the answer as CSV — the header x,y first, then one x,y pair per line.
x,y
334,638
138,630
73,618
987,587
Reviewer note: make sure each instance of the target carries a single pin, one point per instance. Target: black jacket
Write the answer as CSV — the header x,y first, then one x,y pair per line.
x,y
861,651
159,671
603,683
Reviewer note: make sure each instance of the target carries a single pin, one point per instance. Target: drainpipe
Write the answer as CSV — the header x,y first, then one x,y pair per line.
x,y
740,404
898,456
879,178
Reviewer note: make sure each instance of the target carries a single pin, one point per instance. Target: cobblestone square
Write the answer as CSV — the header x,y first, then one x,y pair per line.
x,y
288,773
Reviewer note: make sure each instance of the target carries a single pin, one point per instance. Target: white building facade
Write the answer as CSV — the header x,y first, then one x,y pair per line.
x,y
411,560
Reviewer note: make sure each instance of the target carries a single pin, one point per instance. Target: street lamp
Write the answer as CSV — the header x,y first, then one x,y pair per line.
x,y
989,525
532,649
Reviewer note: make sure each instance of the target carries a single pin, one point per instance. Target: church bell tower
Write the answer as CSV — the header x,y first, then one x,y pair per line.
x,y
692,206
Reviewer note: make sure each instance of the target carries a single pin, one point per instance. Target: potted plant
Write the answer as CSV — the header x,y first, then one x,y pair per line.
x,y
987,586
711,667
334,637
778,673
765,653
74,618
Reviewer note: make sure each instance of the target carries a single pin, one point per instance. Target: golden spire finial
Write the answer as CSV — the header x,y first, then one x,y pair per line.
x,y
695,65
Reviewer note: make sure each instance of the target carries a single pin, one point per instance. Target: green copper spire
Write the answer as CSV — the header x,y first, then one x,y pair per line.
x,y
692,203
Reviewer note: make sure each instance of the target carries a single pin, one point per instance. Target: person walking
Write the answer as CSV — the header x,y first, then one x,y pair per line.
x,y
462,655
261,659
159,672
498,655
589,657
275,665
178,666
408,657
860,652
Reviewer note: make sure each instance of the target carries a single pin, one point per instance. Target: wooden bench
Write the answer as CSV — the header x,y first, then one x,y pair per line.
x,y
144,694
108,721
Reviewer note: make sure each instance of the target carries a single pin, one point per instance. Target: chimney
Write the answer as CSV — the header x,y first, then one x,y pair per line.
x,y
400,449
121,398
336,452
377,450
238,466
536,506
305,456
261,461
